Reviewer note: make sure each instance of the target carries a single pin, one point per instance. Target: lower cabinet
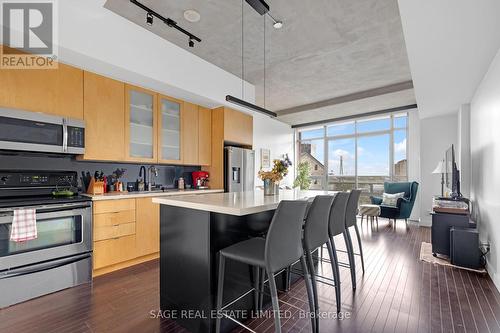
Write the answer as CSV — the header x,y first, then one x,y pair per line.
x,y
126,232
148,233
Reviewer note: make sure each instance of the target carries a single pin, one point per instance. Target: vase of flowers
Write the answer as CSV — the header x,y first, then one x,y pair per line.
x,y
272,178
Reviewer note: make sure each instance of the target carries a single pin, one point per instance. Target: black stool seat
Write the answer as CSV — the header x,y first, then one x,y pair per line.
x,y
250,252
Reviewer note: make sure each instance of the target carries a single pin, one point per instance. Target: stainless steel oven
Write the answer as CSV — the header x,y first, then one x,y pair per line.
x,y
61,255
39,132
64,230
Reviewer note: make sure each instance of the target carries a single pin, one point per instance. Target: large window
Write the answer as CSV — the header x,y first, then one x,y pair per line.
x,y
361,153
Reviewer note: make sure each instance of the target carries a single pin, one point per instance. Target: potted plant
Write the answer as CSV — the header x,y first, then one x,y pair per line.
x,y
272,178
116,176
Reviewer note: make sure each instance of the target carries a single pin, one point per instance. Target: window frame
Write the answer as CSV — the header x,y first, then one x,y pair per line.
x,y
356,135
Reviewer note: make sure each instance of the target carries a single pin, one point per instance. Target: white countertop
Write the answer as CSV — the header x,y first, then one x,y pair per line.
x,y
237,203
132,195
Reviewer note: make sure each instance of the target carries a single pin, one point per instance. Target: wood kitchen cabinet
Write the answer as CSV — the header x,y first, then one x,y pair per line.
x,y
204,136
170,120
148,227
104,115
229,127
114,230
126,232
140,125
52,91
238,127
190,134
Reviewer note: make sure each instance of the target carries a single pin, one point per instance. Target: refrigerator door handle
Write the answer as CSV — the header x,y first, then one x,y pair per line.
x,y
236,175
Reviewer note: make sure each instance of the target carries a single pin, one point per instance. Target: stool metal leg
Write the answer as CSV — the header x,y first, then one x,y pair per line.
x,y
360,248
335,269
288,278
350,255
262,277
274,300
310,266
220,289
256,284
307,280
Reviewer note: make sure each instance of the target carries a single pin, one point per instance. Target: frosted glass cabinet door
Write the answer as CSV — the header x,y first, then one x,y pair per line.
x,y
170,130
141,125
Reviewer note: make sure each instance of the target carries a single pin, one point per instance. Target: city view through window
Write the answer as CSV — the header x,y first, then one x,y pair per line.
x,y
361,154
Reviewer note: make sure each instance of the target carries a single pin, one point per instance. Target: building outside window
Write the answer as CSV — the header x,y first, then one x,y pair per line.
x,y
361,153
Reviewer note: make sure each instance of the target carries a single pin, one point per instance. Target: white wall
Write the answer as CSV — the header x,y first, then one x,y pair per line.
x,y
463,149
414,158
437,134
276,136
485,151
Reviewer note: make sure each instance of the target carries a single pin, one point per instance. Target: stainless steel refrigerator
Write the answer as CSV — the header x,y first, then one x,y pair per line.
x,y
239,169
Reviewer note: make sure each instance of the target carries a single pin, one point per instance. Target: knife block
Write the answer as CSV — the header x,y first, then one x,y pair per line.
x,y
95,187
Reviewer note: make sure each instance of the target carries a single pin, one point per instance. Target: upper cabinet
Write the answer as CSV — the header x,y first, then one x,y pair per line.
x,y
238,127
169,130
140,125
229,127
190,134
204,136
53,91
104,115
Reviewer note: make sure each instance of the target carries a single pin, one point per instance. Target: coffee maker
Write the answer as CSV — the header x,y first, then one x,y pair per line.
x,y
200,180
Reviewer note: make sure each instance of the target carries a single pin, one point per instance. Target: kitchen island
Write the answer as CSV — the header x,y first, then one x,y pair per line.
x,y
192,230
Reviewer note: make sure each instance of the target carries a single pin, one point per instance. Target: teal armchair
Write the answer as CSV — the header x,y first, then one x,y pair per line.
x,y
404,205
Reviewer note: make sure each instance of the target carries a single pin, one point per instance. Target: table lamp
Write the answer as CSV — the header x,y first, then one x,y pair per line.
x,y
441,168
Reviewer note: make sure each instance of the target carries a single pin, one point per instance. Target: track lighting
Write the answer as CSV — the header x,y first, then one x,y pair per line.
x,y
151,14
149,19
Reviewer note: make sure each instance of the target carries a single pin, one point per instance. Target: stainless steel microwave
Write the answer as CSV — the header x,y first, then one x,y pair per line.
x,y
39,132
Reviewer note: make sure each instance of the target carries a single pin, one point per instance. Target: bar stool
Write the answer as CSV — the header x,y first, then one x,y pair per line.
x,y
281,248
350,221
315,236
336,226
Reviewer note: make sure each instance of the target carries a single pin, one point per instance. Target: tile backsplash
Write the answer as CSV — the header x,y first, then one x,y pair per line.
x,y
167,174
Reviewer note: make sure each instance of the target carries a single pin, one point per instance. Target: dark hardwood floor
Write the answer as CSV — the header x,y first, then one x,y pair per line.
x,y
397,293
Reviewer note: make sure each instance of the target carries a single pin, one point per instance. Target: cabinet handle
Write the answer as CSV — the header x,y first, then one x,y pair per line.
x,y
115,225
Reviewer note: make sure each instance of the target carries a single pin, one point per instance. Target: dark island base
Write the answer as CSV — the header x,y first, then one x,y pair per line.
x,y
190,240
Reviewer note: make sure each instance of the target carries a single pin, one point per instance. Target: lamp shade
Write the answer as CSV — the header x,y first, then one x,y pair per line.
x,y
441,168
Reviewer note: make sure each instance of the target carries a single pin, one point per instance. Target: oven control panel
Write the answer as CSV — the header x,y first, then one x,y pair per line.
x,y
33,179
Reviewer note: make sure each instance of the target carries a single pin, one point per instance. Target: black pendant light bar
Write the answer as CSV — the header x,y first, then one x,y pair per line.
x,y
250,106
168,21
260,6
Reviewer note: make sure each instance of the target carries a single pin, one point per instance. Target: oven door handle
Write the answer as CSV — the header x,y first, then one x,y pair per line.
x,y
47,208
42,266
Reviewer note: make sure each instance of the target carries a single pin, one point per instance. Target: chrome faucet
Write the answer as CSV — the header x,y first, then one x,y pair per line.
x,y
152,172
142,171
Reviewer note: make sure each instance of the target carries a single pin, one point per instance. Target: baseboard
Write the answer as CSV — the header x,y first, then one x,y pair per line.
x,y
125,264
494,277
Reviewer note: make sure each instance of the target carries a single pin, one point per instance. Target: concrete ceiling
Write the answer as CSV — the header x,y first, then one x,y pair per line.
x,y
451,44
326,49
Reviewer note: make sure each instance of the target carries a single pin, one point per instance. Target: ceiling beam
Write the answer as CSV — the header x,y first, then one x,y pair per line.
x,y
367,114
392,88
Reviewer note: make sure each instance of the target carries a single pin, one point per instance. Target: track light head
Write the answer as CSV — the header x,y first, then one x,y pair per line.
x,y
149,19
191,42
